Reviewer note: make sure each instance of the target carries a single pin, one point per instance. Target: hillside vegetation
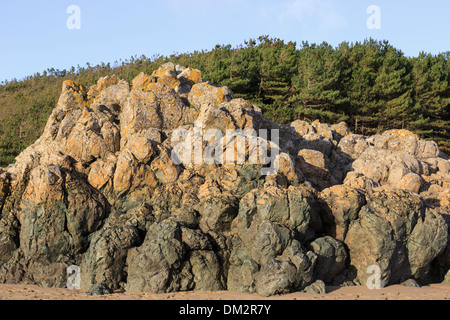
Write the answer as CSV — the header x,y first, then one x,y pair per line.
x,y
371,85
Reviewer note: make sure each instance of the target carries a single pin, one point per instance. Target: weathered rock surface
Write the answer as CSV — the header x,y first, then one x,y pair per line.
x,y
101,189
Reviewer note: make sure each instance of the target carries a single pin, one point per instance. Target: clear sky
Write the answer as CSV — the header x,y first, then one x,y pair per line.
x,y
34,34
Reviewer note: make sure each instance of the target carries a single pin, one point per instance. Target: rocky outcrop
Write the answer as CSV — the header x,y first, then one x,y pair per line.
x,y
129,182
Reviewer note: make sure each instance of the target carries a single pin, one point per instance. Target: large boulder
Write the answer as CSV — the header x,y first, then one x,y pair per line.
x,y
266,256
173,258
331,258
340,207
396,233
104,261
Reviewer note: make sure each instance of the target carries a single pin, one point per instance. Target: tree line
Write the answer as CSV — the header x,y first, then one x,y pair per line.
x,y
370,85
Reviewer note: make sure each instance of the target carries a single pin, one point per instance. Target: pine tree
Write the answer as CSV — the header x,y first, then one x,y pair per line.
x,y
431,92
277,68
244,77
363,60
318,84
392,89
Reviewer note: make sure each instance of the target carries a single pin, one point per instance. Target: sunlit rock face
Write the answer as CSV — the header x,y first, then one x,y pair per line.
x,y
170,183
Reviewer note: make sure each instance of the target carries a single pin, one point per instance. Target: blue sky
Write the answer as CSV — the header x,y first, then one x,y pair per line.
x,y
34,35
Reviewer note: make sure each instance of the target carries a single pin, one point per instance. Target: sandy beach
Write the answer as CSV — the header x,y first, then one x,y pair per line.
x,y
431,292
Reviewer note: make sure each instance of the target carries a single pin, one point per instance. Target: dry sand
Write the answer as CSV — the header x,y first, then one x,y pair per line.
x,y
431,292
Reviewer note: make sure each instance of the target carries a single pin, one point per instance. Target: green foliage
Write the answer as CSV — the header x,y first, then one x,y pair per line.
x,y
371,85
317,85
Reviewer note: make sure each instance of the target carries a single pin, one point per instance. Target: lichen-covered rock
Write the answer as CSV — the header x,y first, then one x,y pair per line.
x,y
359,181
113,185
157,265
406,141
318,287
110,92
302,127
9,238
217,213
341,206
205,96
411,182
264,245
331,258
58,211
315,166
105,259
392,232
101,173
353,145
190,76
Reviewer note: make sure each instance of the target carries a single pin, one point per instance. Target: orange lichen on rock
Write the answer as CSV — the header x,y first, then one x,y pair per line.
x,y
210,93
73,94
163,69
102,84
169,80
104,188
142,82
191,76
71,86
